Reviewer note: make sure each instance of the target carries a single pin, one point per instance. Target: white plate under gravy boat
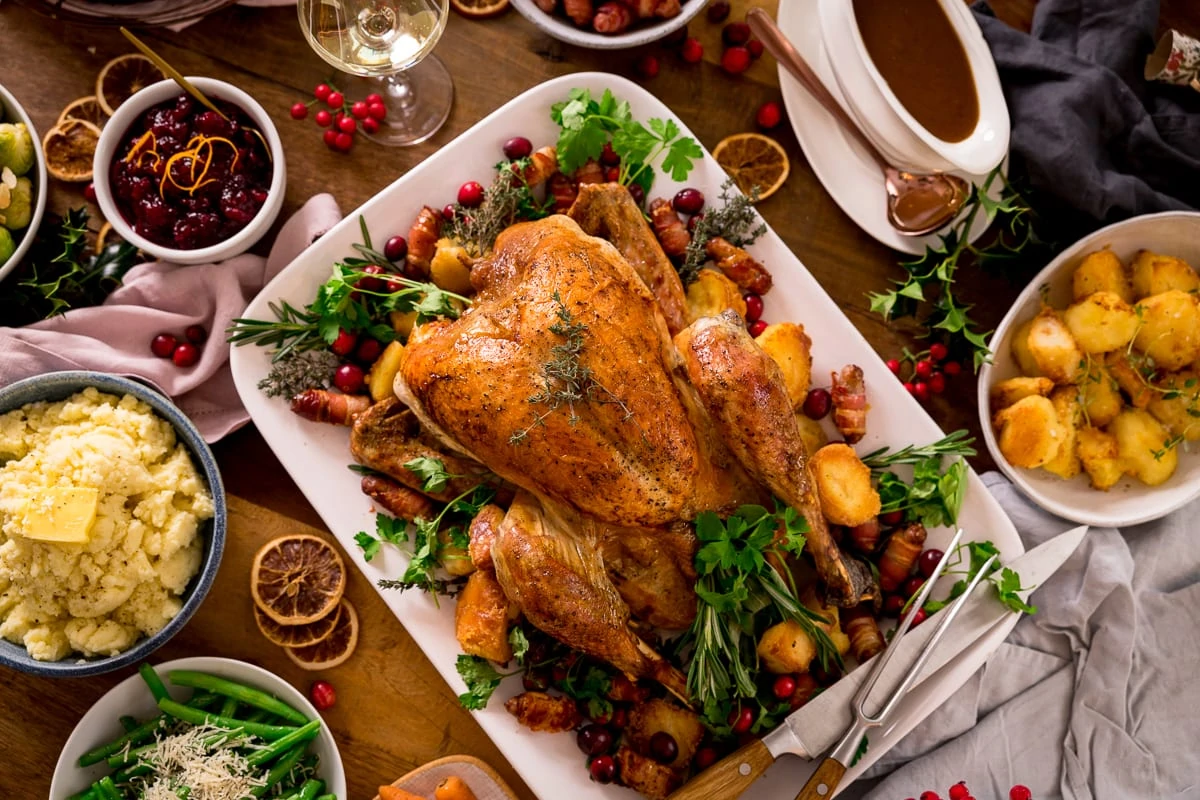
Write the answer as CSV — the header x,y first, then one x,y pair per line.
x,y
316,455
843,167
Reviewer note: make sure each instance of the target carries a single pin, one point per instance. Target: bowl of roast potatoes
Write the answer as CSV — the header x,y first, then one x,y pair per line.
x,y
1091,405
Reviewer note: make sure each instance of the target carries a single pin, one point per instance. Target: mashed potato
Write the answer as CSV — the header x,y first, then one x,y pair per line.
x,y
96,598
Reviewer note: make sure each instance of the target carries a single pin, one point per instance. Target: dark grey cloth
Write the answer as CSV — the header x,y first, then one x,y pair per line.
x,y
1090,133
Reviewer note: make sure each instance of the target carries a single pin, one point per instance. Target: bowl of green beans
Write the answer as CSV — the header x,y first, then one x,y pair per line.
x,y
194,726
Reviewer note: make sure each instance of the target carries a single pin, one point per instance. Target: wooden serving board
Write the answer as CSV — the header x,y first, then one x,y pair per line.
x,y
393,711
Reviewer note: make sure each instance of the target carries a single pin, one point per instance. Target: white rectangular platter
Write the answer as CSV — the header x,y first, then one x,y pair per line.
x,y
316,455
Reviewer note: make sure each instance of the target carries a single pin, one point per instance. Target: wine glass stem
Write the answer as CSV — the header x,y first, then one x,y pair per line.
x,y
401,92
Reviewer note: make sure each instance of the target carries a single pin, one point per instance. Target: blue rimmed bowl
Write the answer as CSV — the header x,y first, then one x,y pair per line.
x,y
55,386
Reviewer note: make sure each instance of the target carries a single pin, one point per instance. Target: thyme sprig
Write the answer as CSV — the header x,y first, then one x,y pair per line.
x,y
507,200
733,219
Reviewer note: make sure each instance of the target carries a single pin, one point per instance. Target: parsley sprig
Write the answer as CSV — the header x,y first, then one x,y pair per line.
x,y
934,496
1005,580
588,124
481,676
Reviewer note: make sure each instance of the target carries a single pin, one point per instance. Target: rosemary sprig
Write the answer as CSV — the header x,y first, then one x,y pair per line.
x,y
733,219
957,443
292,331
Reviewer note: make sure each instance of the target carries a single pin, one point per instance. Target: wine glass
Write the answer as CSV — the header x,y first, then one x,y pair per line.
x,y
386,46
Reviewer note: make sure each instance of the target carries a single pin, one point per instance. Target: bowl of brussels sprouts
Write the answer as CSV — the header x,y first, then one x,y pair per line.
x,y
22,182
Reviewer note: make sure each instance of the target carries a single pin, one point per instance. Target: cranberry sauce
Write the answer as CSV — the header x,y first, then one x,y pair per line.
x,y
185,178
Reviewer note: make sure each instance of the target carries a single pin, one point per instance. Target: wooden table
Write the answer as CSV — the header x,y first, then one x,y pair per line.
x,y
394,712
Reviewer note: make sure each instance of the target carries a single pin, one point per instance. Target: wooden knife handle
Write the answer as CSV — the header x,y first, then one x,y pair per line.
x,y
824,782
729,777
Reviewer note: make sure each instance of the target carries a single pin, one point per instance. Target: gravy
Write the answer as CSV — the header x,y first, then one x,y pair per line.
x,y
916,49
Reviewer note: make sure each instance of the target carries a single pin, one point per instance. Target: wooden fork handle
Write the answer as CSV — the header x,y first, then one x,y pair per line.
x,y
824,782
730,777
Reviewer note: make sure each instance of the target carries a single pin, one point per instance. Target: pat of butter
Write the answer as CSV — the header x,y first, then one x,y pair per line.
x,y
61,514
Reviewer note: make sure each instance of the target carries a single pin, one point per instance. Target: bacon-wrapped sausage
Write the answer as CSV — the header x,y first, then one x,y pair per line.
x,y
612,17
542,164
671,232
738,265
849,394
422,242
322,405
563,190
580,11
397,499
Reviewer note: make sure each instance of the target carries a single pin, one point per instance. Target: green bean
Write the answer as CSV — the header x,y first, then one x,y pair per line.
x,y
258,715
157,688
107,788
300,735
282,767
127,722
310,788
131,772
229,707
121,759
139,734
244,694
197,717
87,794
330,796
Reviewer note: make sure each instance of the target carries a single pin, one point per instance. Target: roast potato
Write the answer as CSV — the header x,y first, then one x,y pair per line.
x,y
1176,404
1101,271
450,267
653,716
811,432
1170,329
1065,463
646,776
539,711
1020,350
712,293
481,618
1099,395
1145,446
403,322
844,486
1053,348
1099,456
1129,379
1005,393
789,346
785,648
383,372
1155,274
1029,434
1101,322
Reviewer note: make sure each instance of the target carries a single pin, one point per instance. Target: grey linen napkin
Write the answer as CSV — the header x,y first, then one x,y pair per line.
x,y
1095,696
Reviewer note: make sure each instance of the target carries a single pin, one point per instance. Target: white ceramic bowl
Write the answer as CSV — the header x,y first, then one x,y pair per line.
x,y
561,28
114,132
888,123
101,723
1130,502
11,111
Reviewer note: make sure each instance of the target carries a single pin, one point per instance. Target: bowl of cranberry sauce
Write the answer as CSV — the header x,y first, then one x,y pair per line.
x,y
187,184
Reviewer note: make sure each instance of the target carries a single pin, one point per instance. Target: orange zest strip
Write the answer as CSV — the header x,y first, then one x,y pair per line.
x,y
200,152
146,145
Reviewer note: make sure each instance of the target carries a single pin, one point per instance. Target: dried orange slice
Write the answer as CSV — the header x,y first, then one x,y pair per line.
x,y
124,76
69,148
333,649
297,579
295,635
753,160
479,9
85,108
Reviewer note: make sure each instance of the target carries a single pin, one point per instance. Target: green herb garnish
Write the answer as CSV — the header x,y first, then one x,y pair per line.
x,y
481,678
733,218
509,199
934,497
431,471
298,371
1007,582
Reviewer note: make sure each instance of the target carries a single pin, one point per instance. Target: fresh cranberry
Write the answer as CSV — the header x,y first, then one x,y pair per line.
x,y
299,111
910,387
620,717
923,368
378,111
395,249
612,174
370,125
756,48
927,562
448,212
918,616
608,156
638,194
735,33
688,201
322,92
323,695
163,345
603,769
517,147
370,284
470,194
535,680
930,796
663,747
937,383
594,739
345,343
952,368
717,11
784,687
692,51
373,98
741,719
893,365
817,403
891,519
754,306
920,391
769,115
335,100
694,221
195,334
330,137
343,142
349,378
359,110
757,327
735,60
1020,792
938,352
892,605
912,586
347,125
959,791
323,118
705,757
647,66
89,193
185,355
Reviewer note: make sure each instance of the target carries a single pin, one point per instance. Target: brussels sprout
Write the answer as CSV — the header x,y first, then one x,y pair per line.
x,y
20,207
16,147
7,245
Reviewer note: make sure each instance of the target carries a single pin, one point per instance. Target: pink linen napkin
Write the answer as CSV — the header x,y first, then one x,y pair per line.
x,y
158,297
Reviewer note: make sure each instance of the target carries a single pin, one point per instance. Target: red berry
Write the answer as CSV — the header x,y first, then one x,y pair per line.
x,y
323,118
89,193
335,100
195,334
959,791
620,717
185,355
688,201
735,33
612,174
519,147
345,343
343,142
717,11
735,60
754,307
603,769
706,757
373,98
783,687
918,616
377,111
370,284
740,720
694,221
921,391
347,125
663,747
368,351
370,125
952,368
299,111
892,605
937,383
322,91
893,364
912,586
927,562
323,695
594,739
757,327
608,156
395,249
817,403
638,194
1020,792
647,66
692,51
359,110
891,519
930,796
163,345
349,378
909,387
938,351
330,137
448,212
769,115
923,368
470,194
756,47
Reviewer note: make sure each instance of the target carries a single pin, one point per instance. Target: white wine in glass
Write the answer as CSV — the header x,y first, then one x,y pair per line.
x,y
386,45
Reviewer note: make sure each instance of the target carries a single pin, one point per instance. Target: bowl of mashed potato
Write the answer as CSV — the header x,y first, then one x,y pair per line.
x,y
112,522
